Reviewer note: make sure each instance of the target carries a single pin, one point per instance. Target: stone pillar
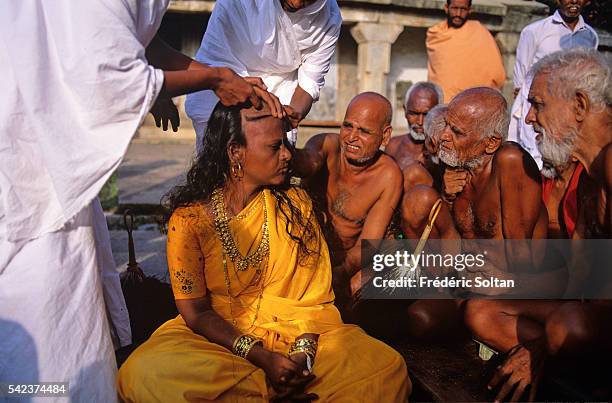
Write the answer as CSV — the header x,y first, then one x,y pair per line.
x,y
374,54
507,43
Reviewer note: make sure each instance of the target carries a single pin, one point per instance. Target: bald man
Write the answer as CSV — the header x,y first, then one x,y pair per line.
x,y
356,185
485,183
420,98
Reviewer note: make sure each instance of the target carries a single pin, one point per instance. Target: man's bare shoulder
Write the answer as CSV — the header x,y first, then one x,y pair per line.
x,y
323,144
388,169
513,159
394,144
397,140
416,174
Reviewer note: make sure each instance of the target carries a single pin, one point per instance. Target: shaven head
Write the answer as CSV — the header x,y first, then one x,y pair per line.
x,y
366,126
434,90
375,103
420,98
474,117
488,108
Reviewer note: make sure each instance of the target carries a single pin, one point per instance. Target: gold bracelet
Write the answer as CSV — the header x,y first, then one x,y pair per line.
x,y
304,343
243,345
306,346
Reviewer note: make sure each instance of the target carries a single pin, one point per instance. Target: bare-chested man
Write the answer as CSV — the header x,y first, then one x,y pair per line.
x,y
420,98
356,185
572,113
485,180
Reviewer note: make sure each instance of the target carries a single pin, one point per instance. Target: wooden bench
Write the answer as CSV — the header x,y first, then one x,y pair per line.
x,y
445,372
453,372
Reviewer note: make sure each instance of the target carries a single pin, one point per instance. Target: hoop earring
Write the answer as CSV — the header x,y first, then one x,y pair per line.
x,y
237,170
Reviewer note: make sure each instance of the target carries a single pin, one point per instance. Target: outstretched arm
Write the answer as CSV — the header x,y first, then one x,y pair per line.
x,y
183,75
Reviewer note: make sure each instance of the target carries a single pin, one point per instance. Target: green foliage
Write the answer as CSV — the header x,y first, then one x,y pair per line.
x,y
109,195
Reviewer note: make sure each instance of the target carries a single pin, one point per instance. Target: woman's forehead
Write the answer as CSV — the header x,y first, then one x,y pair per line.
x,y
263,127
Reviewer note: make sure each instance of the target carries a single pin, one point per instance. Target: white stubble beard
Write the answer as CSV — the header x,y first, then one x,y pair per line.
x,y
556,155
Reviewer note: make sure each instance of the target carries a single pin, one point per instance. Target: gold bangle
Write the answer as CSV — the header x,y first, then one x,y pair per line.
x,y
306,346
243,345
304,343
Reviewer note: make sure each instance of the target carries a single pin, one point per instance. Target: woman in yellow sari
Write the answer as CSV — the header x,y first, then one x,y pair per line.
x,y
251,276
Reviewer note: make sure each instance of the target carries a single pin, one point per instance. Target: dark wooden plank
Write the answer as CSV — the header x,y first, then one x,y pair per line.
x,y
448,372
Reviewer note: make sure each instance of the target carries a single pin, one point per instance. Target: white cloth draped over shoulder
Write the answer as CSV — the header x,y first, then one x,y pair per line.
x,y
258,38
75,87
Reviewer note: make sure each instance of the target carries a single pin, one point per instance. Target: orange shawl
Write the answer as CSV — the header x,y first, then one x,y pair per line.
x,y
463,58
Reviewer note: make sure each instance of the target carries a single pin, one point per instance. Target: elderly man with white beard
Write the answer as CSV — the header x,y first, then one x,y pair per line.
x,y
571,113
574,124
421,97
428,171
485,182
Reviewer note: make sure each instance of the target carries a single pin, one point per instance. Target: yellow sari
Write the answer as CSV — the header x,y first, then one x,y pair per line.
x,y
177,365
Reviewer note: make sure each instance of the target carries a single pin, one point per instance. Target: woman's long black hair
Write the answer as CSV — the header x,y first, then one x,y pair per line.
x,y
211,169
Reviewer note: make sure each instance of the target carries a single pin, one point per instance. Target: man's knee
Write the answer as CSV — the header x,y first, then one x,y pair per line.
x,y
416,205
434,319
480,316
569,329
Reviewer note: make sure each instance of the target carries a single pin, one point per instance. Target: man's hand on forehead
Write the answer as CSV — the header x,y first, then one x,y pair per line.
x,y
252,114
260,93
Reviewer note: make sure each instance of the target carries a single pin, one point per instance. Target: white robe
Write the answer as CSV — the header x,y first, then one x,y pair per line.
x,y
76,86
258,38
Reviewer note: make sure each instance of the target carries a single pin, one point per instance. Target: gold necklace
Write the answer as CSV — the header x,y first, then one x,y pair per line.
x,y
229,246
241,263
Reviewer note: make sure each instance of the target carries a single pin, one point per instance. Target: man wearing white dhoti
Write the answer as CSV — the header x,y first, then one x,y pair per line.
x,y
564,29
75,87
288,43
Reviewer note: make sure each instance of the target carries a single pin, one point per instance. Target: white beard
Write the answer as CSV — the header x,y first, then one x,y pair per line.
x,y
416,136
555,154
451,159
549,171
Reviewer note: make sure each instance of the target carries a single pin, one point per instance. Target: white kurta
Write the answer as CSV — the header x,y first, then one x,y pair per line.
x,y
76,86
258,38
537,40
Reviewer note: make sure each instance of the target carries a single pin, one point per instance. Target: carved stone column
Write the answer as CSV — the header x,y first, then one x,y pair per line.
x,y
374,54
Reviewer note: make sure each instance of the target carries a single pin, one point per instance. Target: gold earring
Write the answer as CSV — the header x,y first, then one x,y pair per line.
x,y
237,170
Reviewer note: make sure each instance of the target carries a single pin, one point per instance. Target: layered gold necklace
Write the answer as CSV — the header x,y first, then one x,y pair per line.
x,y
241,263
